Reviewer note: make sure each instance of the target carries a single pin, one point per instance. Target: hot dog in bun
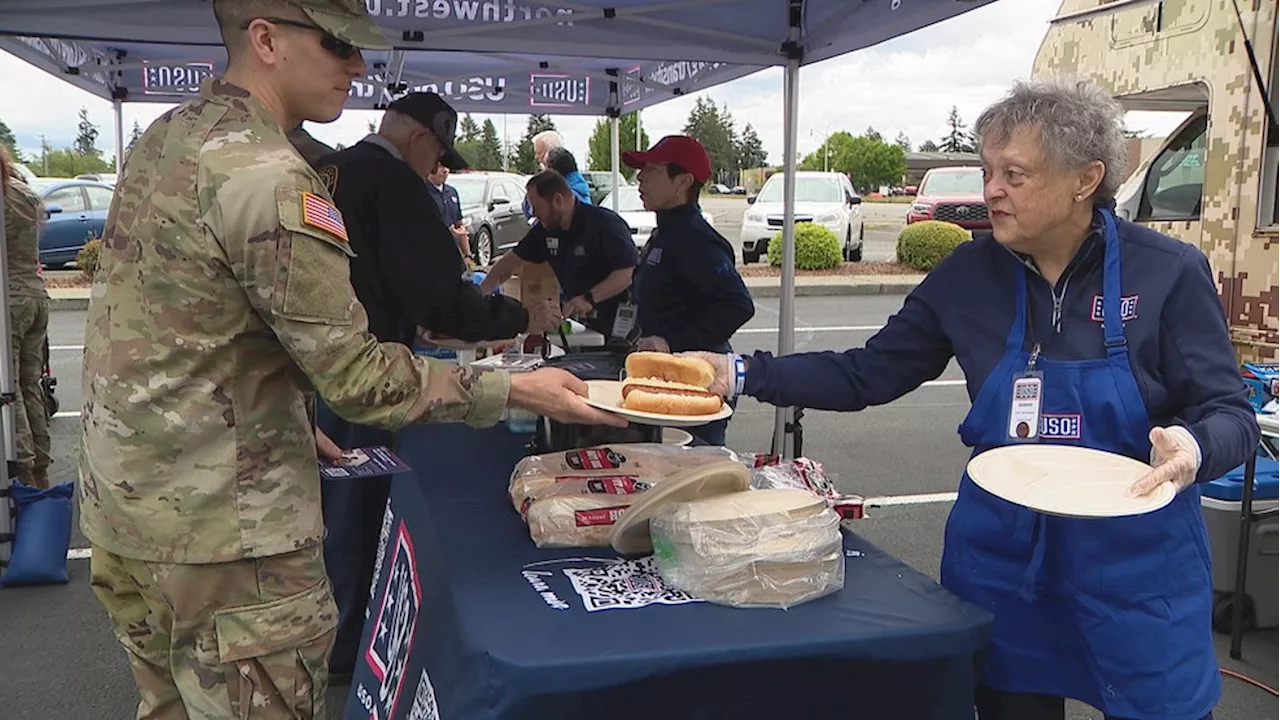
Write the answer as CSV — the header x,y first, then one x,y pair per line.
x,y
669,385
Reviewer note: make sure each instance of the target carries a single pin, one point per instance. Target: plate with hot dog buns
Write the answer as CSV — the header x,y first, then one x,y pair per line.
x,y
661,389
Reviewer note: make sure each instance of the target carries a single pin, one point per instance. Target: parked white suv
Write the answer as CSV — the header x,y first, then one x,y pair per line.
x,y
822,198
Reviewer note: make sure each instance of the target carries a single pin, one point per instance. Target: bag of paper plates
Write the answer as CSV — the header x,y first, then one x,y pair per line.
x,y
758,548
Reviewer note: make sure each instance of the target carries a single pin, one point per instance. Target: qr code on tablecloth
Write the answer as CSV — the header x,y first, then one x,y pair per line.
x,y
424,701
625,584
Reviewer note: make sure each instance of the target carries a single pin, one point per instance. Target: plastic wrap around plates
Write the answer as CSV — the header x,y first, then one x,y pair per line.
x,y
758,548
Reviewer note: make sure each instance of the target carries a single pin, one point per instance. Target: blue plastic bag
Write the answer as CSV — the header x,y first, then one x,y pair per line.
x,y
42,535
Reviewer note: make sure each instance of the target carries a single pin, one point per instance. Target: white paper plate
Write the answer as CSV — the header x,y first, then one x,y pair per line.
x,y
630,534
673,436
607,395
1066,480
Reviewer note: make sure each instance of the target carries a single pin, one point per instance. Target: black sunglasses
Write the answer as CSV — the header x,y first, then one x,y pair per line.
x,y
341,48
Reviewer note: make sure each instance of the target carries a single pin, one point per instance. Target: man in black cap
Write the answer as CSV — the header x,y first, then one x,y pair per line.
x,y
408,273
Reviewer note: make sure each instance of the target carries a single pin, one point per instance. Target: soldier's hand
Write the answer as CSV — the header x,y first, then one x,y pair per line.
x,y
326,448
558,395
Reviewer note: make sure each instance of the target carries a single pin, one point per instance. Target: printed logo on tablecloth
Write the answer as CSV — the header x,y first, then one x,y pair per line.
x,y
384,538
623,585
392,640
424,701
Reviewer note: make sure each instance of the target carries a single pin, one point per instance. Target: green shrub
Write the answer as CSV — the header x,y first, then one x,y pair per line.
x,y
817,248
87,258
923,245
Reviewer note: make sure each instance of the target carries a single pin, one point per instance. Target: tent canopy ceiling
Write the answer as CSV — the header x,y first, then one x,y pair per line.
x,y
557,57
471,82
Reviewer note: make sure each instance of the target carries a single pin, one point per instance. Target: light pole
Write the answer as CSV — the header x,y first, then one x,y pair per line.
x,y
826,146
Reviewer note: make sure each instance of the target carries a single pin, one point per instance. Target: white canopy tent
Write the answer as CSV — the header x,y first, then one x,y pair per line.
x,y
640,51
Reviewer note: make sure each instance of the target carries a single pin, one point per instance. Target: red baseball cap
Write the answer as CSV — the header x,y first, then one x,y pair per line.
x,y
680,150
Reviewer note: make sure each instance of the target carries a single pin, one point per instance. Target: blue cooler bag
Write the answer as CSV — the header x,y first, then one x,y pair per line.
x,y
42,536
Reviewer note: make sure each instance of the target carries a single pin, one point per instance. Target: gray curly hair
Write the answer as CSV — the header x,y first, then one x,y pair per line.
x,y
1078,123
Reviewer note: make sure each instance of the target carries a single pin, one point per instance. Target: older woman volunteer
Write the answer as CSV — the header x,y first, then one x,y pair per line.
x,y
1124,328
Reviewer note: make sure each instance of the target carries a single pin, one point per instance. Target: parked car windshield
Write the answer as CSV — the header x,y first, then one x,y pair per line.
x,y
470,190
953,183
808,189
628,200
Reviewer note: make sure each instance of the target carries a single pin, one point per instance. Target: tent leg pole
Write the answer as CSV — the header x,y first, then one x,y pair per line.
x,y
787,293
614,158
118,106
6,392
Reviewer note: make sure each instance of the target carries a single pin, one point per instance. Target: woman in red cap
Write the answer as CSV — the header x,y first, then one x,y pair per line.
x,y
688,293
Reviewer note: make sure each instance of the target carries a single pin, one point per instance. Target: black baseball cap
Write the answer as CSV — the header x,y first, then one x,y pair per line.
x,y
433,113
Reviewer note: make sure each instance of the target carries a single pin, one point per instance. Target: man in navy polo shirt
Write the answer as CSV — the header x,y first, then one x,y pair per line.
x,y
589,248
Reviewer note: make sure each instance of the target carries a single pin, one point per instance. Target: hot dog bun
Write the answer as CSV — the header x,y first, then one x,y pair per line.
x,y
668,398
664,366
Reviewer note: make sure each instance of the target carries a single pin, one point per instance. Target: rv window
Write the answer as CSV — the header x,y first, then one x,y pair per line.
x,y
1175,181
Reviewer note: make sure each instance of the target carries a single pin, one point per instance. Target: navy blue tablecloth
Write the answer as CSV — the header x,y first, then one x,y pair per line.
x,y
468,620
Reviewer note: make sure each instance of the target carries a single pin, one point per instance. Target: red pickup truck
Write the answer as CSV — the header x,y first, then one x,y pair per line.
x,y
954,195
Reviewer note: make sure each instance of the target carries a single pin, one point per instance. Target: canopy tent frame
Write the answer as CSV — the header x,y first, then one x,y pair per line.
x,y
844,27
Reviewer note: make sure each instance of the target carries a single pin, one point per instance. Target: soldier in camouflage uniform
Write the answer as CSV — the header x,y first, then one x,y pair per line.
x,y
28,324
221,306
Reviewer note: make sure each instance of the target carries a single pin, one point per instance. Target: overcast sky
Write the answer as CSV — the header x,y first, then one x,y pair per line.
x,y
907,84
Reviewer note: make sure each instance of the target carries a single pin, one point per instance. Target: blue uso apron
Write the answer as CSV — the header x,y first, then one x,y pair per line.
x,y
1112,612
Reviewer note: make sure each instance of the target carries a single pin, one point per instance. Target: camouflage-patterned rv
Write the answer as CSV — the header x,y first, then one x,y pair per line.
x,y
1213,181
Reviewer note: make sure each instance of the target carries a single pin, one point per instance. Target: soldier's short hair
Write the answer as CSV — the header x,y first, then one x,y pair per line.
x,y
1077,121
549,183
232,15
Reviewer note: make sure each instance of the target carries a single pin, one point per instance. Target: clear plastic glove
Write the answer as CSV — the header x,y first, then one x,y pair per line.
x,y
653,343
1175,455
326,448
544,316
557,394
724,382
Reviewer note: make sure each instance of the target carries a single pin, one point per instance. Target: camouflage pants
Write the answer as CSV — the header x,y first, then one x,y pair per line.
x,y
28,328
243,639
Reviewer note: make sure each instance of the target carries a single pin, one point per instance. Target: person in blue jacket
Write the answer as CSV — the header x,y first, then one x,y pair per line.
x,y
446,198
688,292
551,154
1123,333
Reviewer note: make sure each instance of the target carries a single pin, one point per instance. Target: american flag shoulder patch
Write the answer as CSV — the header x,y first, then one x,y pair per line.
x,y
320,213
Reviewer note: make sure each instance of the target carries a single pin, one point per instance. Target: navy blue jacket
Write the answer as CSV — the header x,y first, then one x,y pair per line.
x,y
687,289
1176,329
447,200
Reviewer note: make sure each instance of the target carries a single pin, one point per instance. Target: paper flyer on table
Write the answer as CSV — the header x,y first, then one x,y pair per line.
x,y
364,462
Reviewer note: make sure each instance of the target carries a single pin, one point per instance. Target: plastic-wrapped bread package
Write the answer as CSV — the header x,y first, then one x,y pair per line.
x,y
575,520
626,465
769,473
759,548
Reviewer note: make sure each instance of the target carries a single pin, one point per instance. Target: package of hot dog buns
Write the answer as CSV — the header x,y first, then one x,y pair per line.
x,y
572,498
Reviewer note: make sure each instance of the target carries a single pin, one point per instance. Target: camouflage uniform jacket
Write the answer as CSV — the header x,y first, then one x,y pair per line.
x,y
221,305
23,215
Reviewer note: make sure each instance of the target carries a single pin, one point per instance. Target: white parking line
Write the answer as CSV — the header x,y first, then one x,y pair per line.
x,y
67,414
66,348
78,554
923,499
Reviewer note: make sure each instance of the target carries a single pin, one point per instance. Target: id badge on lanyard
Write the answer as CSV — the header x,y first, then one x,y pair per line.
x,y
1025,402
624,321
